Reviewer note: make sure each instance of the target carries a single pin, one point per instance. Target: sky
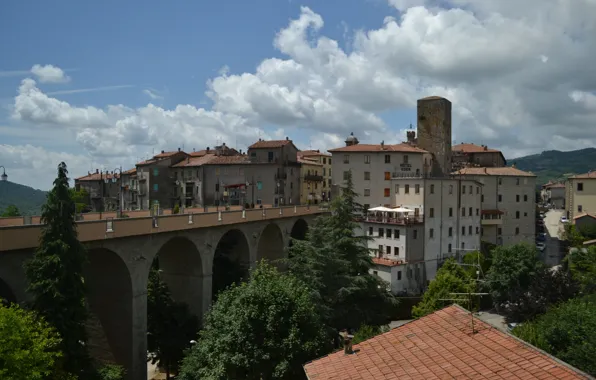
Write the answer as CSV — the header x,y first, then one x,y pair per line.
x,y
106,84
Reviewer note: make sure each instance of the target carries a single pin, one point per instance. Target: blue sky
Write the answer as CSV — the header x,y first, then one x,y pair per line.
x,y
116,81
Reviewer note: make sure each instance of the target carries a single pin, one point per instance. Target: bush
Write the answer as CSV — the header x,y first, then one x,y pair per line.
x,y
111,372
176,209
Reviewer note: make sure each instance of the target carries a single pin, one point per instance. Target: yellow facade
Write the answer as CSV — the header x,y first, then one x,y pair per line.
x,y
580,195
311,181
323,189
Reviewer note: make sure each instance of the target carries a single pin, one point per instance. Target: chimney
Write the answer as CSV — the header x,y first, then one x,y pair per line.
x,y
178,149
223,144
96,171
193,149
287,138
383,145
411,135
162,151
347,340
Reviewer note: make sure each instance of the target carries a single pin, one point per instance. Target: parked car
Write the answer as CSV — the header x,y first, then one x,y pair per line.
x,y
564,219
540,246
541,237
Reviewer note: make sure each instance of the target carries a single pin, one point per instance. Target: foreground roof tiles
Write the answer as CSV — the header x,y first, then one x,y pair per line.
x,y
442,346
502,171
406,148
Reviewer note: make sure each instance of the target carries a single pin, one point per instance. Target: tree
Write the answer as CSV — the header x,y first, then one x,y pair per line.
x,y
55,275
582,265
29,346
451,278
335,262
111,372
513,269
80,198
176,209
266,328
11,211
567,331
170,324
573,236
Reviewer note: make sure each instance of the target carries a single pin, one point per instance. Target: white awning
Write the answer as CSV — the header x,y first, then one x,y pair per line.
x,y
401,209
381,209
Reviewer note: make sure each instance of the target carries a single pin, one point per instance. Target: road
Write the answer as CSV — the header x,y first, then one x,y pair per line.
x,y
554,230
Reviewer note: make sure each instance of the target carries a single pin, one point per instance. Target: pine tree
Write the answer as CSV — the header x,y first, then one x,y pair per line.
x,y
56,275
335,262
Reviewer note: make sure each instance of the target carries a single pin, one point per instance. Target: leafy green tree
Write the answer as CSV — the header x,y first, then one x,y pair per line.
x,y
266,328
476,261
56,275
111,372
582,265
29,346
574,236
80,198
176,209
11,211
450,278
366,332
170,324
513,269
568,332
335,262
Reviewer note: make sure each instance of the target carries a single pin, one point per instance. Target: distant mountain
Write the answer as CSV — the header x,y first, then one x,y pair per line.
x,y
27,199
554,165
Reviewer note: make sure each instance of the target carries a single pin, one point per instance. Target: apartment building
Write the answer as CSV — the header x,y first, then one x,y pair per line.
x,y
508,203
155,180
311,181
103,188
554,193
130,190
580,194
467,154
325,160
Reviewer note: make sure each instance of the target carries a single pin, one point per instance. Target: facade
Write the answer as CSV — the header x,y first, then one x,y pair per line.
x,y
554,193
130,190
325,160
434,132
155,180
103,189
311,181
466,155
580,194
508,204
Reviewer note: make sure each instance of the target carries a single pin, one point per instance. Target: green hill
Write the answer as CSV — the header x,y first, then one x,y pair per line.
x,y
27,199
554,164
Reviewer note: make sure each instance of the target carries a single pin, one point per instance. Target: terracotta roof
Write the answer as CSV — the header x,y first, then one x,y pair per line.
x,y
406,148
263,144
308,153
194,161
504,171
308,162
229,160
130,171
199,153
387,262
588,175
473,148
97,177
584,214
442,345
147,162
167,154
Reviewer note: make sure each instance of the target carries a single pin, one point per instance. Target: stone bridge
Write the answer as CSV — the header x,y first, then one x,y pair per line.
x,y
190,248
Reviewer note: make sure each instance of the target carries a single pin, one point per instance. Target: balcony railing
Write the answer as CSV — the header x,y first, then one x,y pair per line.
x,y
313,178
386,220
398,175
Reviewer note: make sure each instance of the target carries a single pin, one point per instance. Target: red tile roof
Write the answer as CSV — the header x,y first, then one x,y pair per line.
x,y
194,161
473,148
130,171
229,160
387,262
583,215
503,171
588,175
263,144
309,153
442,346
97,177
306,161
167,154
199,153
406,148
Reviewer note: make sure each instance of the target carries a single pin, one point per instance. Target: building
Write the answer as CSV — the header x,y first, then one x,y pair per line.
x,y
434,132
580,194
465,155
103,189
130,190
508,203
448,344
311,181
554,193
325,160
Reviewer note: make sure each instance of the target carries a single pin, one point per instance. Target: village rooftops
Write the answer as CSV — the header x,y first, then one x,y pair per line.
x,y
378,148
588,175
442,345
270,144
503,171
97,176
312,153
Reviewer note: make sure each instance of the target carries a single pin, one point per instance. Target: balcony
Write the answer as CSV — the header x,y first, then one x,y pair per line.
x,y
313,178
399,175
386,220
492,217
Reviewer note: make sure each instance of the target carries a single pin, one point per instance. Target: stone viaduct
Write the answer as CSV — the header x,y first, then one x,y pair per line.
x,y
120,254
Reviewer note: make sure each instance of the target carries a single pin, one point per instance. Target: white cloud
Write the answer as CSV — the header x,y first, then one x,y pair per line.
x,y
153,94
49,74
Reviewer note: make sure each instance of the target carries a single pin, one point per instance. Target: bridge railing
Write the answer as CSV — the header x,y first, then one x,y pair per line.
x,y
27,236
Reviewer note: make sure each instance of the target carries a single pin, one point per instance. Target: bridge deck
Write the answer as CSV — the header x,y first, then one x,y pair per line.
x,y
27,236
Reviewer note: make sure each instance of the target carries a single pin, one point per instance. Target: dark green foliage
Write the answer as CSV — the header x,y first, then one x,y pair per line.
x,y
226,270
29,346
556,165
170,324
582,265
366,332
111,372
334,261
10,211
81,199
55,275
451,278
27,199
266,328
567,332
176,209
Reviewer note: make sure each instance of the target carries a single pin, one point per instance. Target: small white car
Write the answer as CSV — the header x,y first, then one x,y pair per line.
x,y
564,219
540,246
541,215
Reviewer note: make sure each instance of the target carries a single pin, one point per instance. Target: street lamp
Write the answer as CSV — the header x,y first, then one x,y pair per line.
x,y
3,177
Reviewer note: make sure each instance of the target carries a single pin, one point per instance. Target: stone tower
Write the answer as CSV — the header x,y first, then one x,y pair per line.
x,y
434,132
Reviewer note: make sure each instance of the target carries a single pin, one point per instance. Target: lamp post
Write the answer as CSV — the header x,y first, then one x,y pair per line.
x,y
120,188
3,177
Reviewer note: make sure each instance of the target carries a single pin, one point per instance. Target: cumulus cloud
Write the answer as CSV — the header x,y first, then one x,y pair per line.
x,y
49,74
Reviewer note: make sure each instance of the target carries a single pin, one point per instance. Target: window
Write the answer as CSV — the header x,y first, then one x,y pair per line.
x,y
367,176
463,230
387,176
580,186
396,234
450,189
517,181
477,212
367,192
407,189
477,189
463,211
500,198
499,231
376,273
324,172
396,189
471,191
366,159
450,211
389,233
329,161
463,189
517,215
579,208
517,198
346,175
346,159
387,192
482,198
270,156
432,189
477,230
370,231
155,172
417,189
155,187
470,230
500,181
525,214
450,233
415,235
517,230
387,159
449,248
463,246
431,213
329,168
405,159
388,250
470,211
398,275
324,160
431,233
381,232
525,197
396,251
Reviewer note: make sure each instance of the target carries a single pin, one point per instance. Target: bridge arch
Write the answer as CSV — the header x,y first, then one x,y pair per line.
x,y
271,245
180,266
231,260
110,298
299,230
7,296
